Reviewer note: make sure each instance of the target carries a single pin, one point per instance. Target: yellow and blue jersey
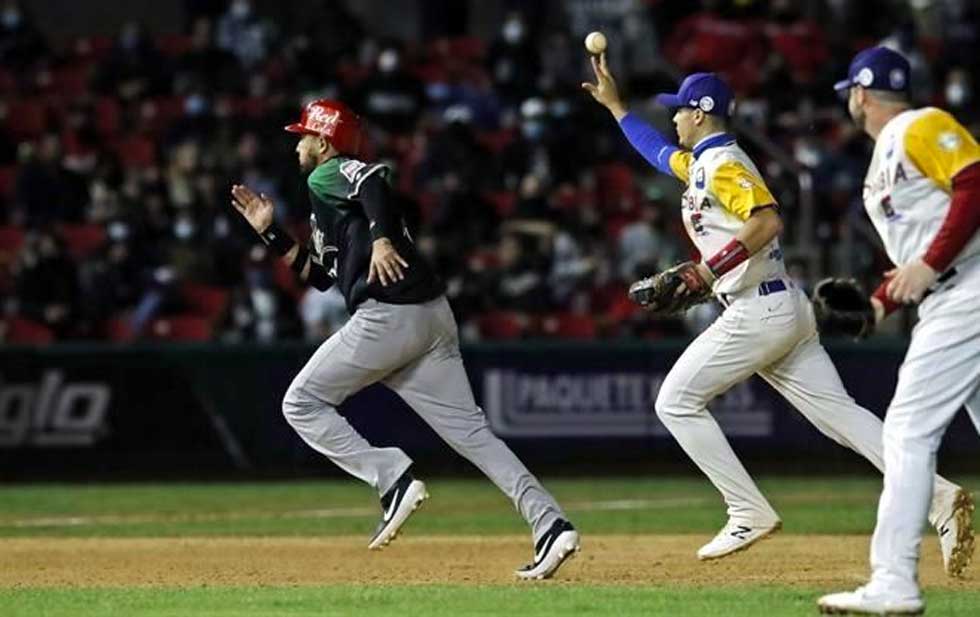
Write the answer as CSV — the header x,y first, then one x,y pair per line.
x,y
907,190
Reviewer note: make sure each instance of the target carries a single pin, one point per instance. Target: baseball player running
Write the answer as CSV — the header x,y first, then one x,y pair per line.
x,y
402,333
922,192
768,325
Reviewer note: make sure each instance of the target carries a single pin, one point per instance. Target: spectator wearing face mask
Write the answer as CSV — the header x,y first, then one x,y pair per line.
x,y
244,34
46,284
513,61
392,98
21,43
260,311
958,96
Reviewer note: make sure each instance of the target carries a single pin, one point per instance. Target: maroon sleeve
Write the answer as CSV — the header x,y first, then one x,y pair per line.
x,y
961,222
882,295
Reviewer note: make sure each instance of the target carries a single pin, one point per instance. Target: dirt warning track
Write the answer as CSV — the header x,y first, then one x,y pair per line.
x,y
806,561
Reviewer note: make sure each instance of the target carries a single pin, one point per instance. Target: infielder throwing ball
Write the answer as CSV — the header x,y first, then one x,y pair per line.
x,y
922,192
402,333
768,327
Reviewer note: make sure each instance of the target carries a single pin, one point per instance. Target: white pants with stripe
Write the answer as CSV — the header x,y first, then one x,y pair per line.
x,y
940,374
775,337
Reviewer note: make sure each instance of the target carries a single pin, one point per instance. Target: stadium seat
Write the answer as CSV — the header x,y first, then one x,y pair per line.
x,y
27,332
118,329
570,325
8,180
615,183
496,141
174,45
136,151
82,240
205,301
70,81
108,116
503,202
26,118
181,328
11,239
503,325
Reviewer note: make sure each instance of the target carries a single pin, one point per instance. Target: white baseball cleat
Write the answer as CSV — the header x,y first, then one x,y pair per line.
x,y
956,533
551,550
736,536
396,506
863,601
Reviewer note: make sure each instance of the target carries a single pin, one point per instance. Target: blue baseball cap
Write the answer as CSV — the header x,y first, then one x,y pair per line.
x,y
877,68
704,91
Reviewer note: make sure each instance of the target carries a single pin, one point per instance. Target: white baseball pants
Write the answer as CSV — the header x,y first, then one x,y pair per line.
x,y
940,374
774,336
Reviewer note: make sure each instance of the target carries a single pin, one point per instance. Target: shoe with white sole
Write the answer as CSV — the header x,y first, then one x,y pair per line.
x,y
396,506
956,533
737,536
863,601
551,550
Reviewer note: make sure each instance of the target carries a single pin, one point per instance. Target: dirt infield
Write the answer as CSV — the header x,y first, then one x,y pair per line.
x,y
629,560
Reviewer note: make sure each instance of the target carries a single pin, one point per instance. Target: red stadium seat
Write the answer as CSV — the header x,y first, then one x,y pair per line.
x,y
71,81
181,328
108,116
570,325
174,44
496,141
8,180
26,332
205,300
119,330
11,239
136,151
471,48
615,183
503,202
503,325
82,240
27,118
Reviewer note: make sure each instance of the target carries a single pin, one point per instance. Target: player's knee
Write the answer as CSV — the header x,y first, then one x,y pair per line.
x,y
295,405
673,402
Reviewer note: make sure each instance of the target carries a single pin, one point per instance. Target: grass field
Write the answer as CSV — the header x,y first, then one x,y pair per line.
x,y
299,548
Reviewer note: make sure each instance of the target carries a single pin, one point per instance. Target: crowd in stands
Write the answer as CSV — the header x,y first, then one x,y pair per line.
x,y
117,154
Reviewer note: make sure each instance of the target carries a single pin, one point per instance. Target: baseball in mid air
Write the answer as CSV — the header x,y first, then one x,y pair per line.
x,y
595,42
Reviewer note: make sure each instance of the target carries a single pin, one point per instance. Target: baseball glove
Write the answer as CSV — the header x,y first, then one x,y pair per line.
x,y
842,308
671,291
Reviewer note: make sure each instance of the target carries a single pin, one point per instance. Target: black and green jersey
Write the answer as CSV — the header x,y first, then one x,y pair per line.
x,y
342,233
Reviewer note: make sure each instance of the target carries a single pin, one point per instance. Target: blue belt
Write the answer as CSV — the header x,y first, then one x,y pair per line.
x,y
765,288
771,287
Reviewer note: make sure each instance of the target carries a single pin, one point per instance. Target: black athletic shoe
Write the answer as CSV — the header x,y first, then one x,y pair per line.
x,y
396,506
551,550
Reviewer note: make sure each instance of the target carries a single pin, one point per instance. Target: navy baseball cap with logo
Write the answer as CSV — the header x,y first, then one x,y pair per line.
x,y
704,91
877,68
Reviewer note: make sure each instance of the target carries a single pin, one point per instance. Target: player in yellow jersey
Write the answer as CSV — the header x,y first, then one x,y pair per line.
x,y
922,192
768,327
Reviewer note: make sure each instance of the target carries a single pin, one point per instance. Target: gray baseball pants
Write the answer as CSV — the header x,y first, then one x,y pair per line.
x,y
414,350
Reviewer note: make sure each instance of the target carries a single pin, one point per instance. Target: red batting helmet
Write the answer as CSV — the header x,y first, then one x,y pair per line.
x,y
333,121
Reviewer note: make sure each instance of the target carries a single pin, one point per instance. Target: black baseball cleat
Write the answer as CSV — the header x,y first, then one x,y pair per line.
x,y
396,506
551,550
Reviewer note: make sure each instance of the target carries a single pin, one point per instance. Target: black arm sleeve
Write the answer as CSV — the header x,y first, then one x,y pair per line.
x,y
319,274
319,277
375,197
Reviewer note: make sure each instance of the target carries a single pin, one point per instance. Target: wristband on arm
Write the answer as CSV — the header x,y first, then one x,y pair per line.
x,y
727,258
302,255
277,239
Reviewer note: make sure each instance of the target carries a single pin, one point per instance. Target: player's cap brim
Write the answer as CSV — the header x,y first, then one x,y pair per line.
x,y
669,100
296,127
843,84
